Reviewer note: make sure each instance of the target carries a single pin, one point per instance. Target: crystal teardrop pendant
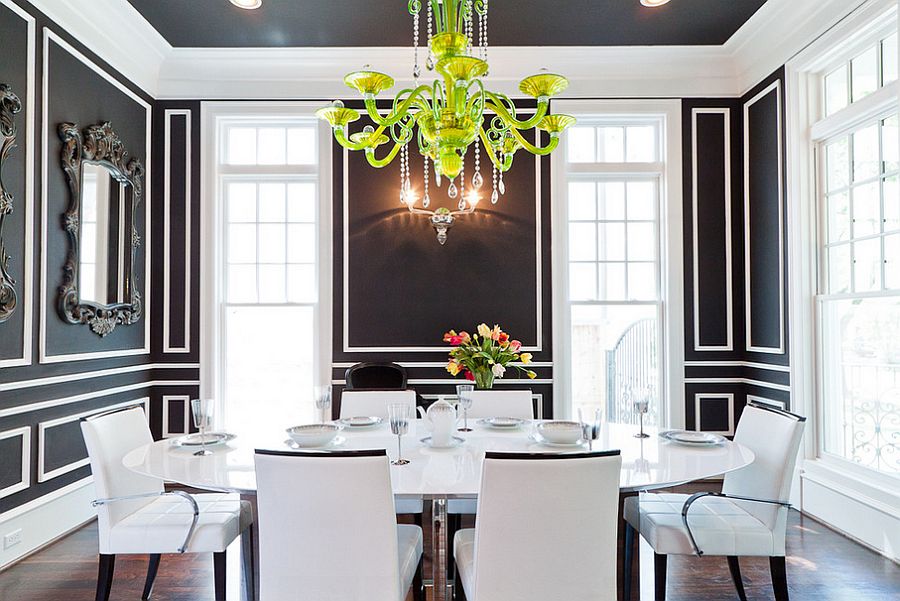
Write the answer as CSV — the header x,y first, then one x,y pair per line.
x,y
501,186
477,180
429,63
494,197
461,205
426,200
452,191
417,71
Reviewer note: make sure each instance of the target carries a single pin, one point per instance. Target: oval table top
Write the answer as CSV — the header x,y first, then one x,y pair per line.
x,y
647,463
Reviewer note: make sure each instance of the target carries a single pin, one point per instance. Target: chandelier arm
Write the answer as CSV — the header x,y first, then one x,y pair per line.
x,y
370,155
436,9
341,136
497,106
477,99
400,112
501,165
554,142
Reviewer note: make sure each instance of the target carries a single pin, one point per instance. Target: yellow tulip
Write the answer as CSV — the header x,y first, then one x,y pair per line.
x,y
525,358
531,374
454,368
483,330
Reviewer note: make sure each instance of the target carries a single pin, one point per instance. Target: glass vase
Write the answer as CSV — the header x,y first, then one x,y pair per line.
x,y
484,379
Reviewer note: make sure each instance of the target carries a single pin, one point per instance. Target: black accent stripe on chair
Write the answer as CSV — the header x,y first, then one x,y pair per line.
x,y
330,454
782,412
579,455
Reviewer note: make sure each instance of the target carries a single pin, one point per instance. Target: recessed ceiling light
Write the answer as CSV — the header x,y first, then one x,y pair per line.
x,y
250,4
650,3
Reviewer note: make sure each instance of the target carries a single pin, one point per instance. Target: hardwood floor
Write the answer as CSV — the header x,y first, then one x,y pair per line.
x,y
822,566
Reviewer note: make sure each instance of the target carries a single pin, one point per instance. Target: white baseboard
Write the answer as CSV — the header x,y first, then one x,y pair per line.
x,y
46,519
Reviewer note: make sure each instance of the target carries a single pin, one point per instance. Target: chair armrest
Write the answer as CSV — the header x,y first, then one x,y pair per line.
x,y
697,496
177,493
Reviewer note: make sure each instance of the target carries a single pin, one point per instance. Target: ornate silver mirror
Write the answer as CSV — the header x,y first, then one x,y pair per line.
x,y
106,188
9,106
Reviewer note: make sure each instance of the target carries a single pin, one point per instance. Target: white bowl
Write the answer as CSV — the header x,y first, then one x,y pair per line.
x,y
560,432
313,435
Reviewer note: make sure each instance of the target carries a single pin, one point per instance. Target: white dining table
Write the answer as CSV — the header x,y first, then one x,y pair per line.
x,y
437,475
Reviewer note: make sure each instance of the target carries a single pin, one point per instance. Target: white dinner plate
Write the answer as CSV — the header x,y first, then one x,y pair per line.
x,y
455,441
692,438
559,445
502,423
210,439
361,421
335,442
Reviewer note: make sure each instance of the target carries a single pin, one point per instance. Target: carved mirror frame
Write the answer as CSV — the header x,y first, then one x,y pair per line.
x,y
101,145
9,106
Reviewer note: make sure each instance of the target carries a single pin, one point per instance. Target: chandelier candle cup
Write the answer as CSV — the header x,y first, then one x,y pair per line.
x,y
448,115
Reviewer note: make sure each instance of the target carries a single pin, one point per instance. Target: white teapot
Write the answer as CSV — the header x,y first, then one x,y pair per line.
x,y
440,419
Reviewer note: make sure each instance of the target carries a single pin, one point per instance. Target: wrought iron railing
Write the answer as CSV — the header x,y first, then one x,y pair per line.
x,y
871,415
632,367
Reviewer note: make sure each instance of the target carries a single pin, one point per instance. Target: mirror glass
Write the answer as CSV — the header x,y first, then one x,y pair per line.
x,y
104,222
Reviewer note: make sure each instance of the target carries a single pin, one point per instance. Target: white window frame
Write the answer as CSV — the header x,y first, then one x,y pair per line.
x,y
671,285
830,488
212,222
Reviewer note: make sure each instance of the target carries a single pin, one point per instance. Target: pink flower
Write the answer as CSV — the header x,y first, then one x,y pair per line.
x,y
515,345
469,376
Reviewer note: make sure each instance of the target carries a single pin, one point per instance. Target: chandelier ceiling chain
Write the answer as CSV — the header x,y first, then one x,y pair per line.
x,y
454,112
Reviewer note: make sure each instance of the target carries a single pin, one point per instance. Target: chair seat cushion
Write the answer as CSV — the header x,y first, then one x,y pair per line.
x,y
409,550
407,506
462,506
161,526
720,526
464,553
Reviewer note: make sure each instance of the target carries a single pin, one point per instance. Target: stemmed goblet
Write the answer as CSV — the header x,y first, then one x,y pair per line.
x,y
202,411
323,402
399,415
642,406
464,395
591,430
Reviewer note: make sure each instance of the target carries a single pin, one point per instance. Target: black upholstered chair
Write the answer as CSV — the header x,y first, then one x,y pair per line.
x,y
375,376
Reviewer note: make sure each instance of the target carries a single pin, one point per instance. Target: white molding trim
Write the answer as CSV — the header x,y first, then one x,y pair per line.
x,y
25,480
78,398
767,401
91,375
418,364
779,350
45,475
167,230
714,396
751,364
751,382
729,288
26,301
433,381
44,356
186,400
539,258
44,499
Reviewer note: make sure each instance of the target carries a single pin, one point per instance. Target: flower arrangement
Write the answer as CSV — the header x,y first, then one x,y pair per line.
x,y
485,355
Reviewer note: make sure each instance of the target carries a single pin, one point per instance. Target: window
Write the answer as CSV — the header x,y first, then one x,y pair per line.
x,y
614,169
858,164
269,300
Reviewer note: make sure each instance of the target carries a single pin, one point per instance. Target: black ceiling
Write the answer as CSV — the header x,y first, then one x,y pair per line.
x,y
280,23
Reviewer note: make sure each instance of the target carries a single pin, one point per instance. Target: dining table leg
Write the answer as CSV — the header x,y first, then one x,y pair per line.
x,y
628,554
439,550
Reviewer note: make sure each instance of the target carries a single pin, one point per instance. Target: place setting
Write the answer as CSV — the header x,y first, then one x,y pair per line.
x,y
202,441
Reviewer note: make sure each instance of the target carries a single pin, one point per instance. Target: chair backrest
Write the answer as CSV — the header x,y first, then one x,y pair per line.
x,y
376,376
374,402
108,438
774,437
502,403
558,541
327,529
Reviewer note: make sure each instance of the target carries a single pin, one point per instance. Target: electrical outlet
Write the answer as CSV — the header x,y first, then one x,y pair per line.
x,y
12,539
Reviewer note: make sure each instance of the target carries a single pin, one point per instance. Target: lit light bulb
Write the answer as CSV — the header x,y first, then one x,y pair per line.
x,y
248,4
654,3
473,199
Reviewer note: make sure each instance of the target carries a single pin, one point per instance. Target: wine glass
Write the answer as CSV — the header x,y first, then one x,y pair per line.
x,y
323,401
642,406
399,415
464,395
202,411
591,430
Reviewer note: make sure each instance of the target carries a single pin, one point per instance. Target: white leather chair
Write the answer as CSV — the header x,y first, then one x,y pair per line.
x,y
501,403
375,403
328,530
136,516
546,529
748,518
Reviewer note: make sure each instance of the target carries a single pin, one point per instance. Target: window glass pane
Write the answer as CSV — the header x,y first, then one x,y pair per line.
x,y
581,145
839,269
611,200
837,161
892,262
890,143
614,353
864,74
862,369
582,281
865,153
612,242
241,144
641,144
641,242
242,284
272,284
838,217
301,244
582,201
642,281
642,200
866,210
867,265
241,243
271,203
582,242
612,281
301,283
891,204
889,59
836,93
301,202
301,146
241,203
272,148
611,144
271,243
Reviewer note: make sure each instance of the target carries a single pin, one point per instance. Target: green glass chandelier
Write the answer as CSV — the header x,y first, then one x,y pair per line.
x,y
451,114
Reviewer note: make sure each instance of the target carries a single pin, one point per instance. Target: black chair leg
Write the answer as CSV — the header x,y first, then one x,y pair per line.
x,y
459,593
628,561
248,563
454,522
152,569
417,586
735,568
105,576
417,519
219,560
659,574
779,578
